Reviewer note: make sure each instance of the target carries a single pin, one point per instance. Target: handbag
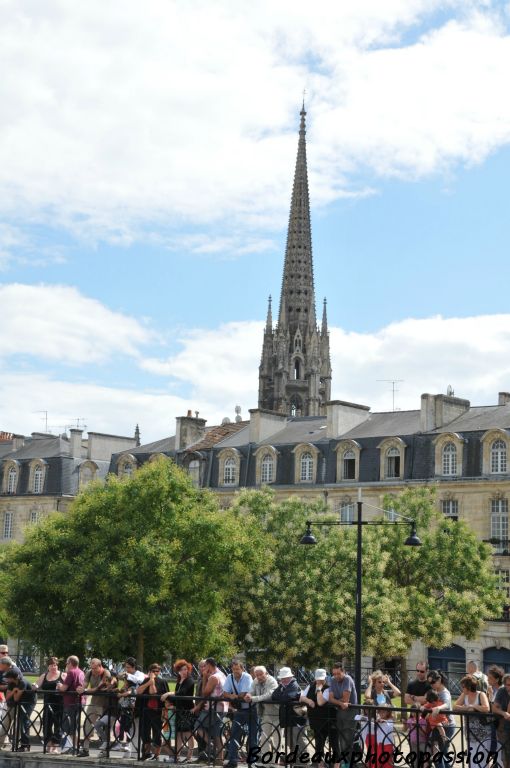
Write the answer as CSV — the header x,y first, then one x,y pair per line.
x,y
235,704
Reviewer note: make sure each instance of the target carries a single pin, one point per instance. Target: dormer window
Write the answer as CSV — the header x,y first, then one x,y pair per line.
x,y
229,467
306,474
349,465
127,465
306,458
38,478
267,469
391,458
449,459
229,473
392,462
498,457
347,460
12,480
448,454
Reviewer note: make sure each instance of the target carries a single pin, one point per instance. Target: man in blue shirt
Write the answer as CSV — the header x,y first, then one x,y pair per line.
x,y
236,686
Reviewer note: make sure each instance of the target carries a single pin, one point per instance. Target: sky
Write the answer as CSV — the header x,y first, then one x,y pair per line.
x,y
147,152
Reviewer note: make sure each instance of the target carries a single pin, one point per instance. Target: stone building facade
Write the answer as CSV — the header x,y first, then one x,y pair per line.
x,y
42,474
301,442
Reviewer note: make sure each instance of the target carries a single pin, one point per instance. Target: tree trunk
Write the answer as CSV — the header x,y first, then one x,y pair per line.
x,y
140,648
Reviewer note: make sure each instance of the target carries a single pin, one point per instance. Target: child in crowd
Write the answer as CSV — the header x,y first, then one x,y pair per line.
x,y
436,721
416,727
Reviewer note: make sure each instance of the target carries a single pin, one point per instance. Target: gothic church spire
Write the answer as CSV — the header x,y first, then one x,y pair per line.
x,y
295,367
298,295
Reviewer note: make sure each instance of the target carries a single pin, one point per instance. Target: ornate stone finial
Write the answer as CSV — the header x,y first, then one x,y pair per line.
x,y
324,317
238,414
137,436
269,318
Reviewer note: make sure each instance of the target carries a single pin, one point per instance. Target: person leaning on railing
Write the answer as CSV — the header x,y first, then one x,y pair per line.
x,y
19,693
150,691
71,703
52,704
184,717
470,702
260,694
501,707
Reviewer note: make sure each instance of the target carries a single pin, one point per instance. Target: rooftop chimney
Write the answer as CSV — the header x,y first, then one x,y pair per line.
x,y
439,410
188,430
75,443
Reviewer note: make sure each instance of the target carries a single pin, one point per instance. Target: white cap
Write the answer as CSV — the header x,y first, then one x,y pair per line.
x,y
285,672
320,674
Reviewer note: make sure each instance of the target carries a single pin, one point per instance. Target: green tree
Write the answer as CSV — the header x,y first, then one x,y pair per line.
x,y
303,610
147,563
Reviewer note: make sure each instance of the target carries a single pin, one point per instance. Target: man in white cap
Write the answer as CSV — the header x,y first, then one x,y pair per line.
x,y
287,695
321,716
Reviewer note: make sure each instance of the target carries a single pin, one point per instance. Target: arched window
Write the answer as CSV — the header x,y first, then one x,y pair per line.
x,y
295,406
87,474
349,465
12,480
392,462
498,457
297,368
194,472
38,479
267,468
306,474
128,469
229,472
449,459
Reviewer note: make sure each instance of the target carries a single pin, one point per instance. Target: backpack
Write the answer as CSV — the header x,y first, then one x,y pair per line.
x,y
482,682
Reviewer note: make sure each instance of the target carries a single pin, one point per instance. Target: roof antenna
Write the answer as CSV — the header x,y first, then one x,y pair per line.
x,y
393,388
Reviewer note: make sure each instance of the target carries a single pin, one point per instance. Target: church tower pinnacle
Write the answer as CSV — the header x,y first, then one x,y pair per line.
x,y
295,368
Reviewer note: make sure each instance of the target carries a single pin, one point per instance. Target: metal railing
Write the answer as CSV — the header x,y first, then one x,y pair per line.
x,y
186,729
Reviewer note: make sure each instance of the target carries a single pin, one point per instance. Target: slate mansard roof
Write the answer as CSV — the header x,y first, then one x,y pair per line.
x,y
369,436
55,453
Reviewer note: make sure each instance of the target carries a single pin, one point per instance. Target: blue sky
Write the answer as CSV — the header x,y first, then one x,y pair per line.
x,y
146,163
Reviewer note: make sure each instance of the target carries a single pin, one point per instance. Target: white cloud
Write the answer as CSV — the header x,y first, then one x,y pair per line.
x,y
120,117
218,369
221,365
57,323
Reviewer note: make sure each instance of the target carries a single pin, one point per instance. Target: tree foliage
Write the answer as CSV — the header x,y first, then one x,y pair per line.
x,y
146,560
303,609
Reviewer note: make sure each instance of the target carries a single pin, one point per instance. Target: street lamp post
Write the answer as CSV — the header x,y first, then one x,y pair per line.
x,y
411,541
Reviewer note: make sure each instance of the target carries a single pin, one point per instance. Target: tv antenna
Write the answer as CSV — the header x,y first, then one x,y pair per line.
x,y
394,388
45,419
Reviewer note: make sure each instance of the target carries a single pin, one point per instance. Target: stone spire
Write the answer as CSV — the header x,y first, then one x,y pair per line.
x,y
137,436
324,328
297,283
295,367
269,318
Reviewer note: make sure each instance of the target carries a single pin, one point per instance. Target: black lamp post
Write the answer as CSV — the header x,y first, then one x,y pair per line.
x,y
411,541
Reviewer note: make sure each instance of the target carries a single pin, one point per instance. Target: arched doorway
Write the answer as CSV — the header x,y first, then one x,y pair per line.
x,y
499,656
452,661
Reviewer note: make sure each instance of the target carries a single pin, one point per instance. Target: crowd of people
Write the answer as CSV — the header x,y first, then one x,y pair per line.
x,y
137,713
